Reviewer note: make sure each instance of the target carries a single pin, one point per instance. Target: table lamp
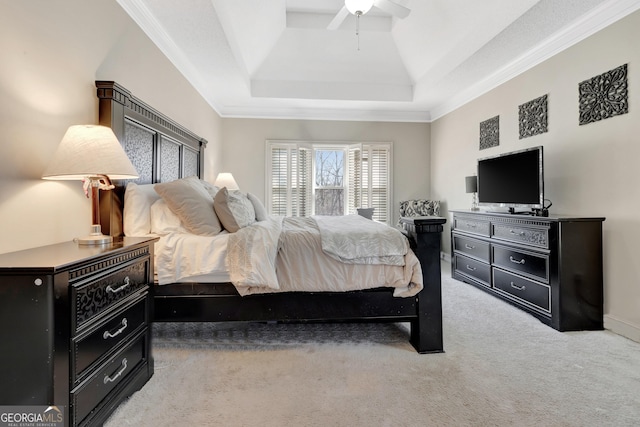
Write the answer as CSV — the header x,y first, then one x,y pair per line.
x,y
472,187
225,179
93,154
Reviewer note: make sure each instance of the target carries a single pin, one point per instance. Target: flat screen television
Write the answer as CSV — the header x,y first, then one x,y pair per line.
x,y
512,180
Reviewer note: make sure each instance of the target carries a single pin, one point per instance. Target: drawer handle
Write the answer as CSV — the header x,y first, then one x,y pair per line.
x,y
471,268
471,225
121,288
108,334
469,246
108,379
520,288
515,261
521,233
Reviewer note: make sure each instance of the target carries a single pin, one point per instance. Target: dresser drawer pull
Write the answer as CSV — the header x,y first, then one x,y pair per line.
x,y
471,268
515,261
108,379
108,334
469,246
121,288
471,225
520,288
521,233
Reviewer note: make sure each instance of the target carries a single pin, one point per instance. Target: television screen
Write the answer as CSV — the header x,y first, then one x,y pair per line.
x,y
512,180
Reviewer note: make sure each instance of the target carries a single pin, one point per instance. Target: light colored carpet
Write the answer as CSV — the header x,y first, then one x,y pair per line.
x,y
500,367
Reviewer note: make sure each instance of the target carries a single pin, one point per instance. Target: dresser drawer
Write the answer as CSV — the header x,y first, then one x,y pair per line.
x,y
96,295
530,236
472,247
92,346
527,263
471,225
90,393
472,268
533,294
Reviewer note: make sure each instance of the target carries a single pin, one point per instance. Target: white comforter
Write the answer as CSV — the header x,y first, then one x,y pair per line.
x,y
284,255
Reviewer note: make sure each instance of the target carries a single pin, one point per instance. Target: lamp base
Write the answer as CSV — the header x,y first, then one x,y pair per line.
x,y
95,238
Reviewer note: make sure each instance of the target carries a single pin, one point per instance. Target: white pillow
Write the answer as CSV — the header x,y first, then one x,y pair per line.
x,y
193,204
211,189
234,209
137,209
261,211
163,220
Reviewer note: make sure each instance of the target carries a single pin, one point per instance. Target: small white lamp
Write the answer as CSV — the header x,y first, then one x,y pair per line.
x,y
225,179
93,154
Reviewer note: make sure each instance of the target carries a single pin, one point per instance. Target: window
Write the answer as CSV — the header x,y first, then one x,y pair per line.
x,y
328,178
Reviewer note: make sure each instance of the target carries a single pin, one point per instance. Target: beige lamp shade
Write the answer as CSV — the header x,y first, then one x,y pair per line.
x,y
90,150
225,179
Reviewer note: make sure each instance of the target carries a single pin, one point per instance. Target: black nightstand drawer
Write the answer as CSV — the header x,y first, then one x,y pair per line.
x,y
99,294
89,394
523,262
472,247
473,268
91,347
536,295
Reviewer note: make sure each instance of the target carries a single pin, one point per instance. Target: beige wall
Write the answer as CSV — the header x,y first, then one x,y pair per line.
x,y
51,54
590,170
244,154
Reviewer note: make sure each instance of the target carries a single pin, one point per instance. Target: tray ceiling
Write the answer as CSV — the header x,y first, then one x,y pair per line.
x,y
277,59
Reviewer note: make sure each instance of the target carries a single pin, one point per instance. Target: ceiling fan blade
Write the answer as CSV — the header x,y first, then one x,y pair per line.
x,y
339,19
392,8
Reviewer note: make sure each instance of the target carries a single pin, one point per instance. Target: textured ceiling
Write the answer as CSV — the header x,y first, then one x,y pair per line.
x,y
277,59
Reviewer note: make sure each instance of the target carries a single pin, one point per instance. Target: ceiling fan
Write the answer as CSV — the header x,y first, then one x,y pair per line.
x,y
360,7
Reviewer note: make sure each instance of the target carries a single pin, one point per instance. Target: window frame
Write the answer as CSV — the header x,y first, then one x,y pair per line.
x,y
346,147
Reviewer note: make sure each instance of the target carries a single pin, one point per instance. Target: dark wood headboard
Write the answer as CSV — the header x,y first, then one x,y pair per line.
x,y
160,149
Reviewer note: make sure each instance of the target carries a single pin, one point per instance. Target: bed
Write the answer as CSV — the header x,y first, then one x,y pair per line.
x,y
164,151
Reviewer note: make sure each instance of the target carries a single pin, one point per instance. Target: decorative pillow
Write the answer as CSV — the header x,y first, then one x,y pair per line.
x,y
211,189
137,206
188,199
411,208
163,220
261,211
234,209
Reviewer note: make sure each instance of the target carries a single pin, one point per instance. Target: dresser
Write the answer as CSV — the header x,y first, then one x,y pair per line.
x,y
550,267
75,326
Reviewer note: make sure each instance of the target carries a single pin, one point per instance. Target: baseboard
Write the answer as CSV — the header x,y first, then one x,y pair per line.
x,y
622,327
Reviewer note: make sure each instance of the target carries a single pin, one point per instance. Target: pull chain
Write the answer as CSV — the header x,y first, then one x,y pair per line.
x,y
358,14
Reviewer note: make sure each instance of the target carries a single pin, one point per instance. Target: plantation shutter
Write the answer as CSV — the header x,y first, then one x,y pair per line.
x,y
290,176
302,203
354,176
379,159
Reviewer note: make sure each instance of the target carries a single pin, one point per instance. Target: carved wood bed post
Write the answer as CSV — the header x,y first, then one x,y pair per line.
x,y
426,330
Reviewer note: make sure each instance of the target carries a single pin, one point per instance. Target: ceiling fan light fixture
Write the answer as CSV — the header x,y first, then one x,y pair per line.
x,y
358,7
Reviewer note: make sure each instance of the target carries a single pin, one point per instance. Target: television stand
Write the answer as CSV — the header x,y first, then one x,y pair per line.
x,y
550,267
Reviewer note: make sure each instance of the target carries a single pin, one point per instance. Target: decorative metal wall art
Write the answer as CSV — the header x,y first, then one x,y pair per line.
x,y
604,96
490,133
532,117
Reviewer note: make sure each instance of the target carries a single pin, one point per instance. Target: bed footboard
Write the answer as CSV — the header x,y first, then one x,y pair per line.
x,y
426,328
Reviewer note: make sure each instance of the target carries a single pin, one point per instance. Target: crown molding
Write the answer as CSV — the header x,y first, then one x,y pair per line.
x,y
354,115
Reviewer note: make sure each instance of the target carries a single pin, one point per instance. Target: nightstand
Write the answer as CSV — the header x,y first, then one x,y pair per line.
x,y
75,326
